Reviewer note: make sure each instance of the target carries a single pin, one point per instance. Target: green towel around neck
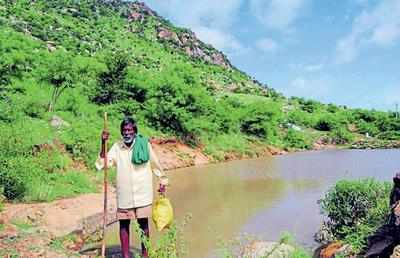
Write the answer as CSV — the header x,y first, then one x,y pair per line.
x,y
140,154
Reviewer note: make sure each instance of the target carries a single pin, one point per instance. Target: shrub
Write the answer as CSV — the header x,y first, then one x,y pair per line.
x,y
172,108
261,119
341,136
389,135
12,185
60,73
111,84
364,127
326,123
302,118
296,139
356,208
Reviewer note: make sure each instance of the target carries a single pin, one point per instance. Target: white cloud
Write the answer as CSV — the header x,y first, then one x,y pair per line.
x,y
379,26
277,14
301,68
266,45
211,20
313,67
319,88
219,39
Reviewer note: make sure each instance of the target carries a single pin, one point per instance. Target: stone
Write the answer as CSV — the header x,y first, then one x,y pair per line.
x,y
136,16
51,47
331,250
10,232
396,252
58,122
258,249
345,251
324,234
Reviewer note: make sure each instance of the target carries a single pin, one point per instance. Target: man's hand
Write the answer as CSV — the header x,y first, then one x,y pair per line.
x,y
163,184
162,189
104,136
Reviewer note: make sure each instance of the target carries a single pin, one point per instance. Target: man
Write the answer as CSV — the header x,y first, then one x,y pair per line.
x,y
135,161
387,237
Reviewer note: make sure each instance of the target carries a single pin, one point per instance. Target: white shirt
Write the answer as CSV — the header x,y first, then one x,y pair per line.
x,y
134,182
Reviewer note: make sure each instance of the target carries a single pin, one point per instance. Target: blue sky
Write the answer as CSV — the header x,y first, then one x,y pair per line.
x,y
345,52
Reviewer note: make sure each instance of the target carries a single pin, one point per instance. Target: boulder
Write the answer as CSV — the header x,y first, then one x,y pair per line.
x,y
396,252
58,122
258,249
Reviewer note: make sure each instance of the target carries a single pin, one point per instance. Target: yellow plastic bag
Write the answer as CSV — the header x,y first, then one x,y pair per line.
x,y
163,213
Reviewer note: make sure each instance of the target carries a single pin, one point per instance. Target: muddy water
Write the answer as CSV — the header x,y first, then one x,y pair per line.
x,y
263,198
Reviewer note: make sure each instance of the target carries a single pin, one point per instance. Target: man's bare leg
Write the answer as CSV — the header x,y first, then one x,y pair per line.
x,y
124,237
144,225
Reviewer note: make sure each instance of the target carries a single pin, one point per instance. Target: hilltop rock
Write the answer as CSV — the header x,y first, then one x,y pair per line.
x,y
183,39
165,34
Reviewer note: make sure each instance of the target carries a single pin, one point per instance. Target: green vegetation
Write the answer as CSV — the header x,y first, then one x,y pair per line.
x,y
243,247
355,209
74,60
170,244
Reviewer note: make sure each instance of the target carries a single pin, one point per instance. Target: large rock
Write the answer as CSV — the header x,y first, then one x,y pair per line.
x,y
58,122
258,249
396,252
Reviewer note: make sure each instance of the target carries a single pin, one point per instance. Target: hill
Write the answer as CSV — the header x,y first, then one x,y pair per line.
x,y
64,63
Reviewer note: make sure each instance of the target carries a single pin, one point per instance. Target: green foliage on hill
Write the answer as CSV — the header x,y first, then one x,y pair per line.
x,y
78,59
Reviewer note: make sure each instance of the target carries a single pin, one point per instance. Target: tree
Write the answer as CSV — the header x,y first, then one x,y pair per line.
x,y
60,74
111,83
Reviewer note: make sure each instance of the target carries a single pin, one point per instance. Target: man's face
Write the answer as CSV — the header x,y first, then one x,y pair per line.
x,y
128,133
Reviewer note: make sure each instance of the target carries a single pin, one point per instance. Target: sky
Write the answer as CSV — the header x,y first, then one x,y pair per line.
x,y
345,52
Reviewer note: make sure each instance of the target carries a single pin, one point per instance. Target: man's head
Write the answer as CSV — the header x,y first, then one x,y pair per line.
x,y
128,129
396,179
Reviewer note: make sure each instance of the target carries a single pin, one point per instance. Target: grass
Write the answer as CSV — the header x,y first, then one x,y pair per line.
x,y
228,143
58,244
22,225
55,186
171,244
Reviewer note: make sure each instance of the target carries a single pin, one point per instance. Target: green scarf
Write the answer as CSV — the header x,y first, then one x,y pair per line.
x,y
140,154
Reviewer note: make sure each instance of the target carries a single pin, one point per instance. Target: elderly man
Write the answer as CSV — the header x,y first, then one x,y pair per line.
x,y
135,161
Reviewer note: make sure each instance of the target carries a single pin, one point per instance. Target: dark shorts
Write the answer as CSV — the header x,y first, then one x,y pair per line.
x,y
134,213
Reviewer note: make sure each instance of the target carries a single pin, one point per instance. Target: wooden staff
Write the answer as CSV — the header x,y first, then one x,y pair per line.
x,y
103,244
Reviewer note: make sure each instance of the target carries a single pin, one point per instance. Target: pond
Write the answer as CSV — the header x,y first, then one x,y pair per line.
x,y
262,198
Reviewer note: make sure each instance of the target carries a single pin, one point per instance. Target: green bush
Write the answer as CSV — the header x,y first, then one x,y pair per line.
x,y
13,187
261,119
174,109
356,208
341,136
327,123
296,139
111,85
389,135
60,73
301,118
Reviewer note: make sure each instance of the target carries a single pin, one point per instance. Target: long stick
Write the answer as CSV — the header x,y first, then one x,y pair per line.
x,y
103,245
